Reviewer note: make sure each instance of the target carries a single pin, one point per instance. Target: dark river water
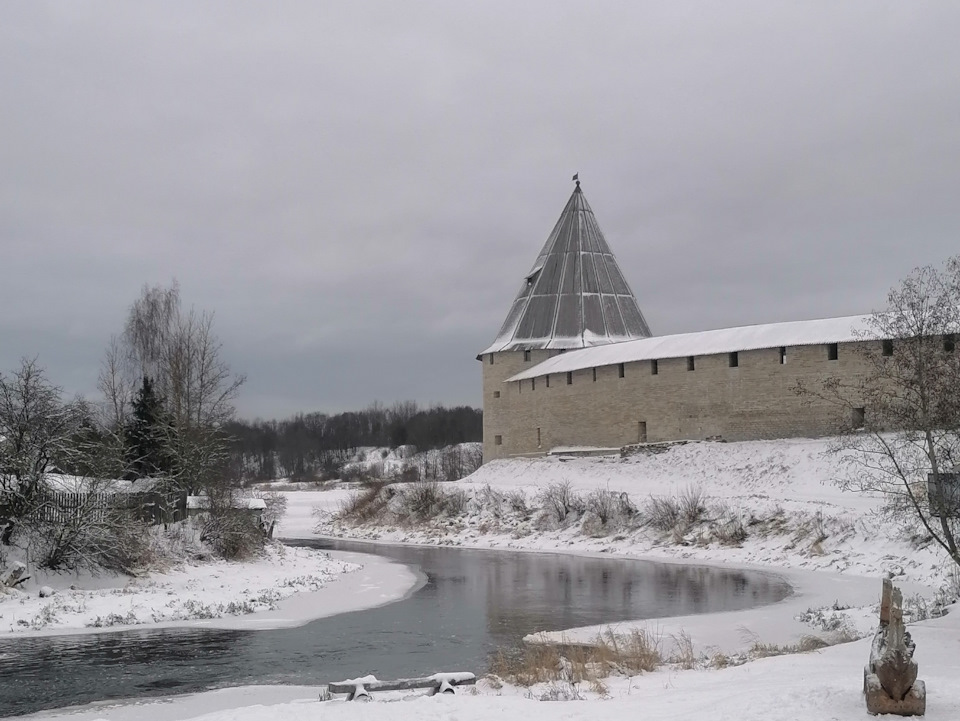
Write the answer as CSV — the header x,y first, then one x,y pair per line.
x,y
471,603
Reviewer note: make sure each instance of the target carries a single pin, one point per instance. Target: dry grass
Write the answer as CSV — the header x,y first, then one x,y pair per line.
x,y
804,645
535,663
363,506
684,656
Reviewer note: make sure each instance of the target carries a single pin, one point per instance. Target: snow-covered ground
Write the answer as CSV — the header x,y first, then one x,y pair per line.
x,y
787,489
830,545
805,687
286,587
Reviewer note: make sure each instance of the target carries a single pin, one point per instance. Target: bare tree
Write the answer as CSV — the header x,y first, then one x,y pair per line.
x,y
36,432
114,384
907,403
181,354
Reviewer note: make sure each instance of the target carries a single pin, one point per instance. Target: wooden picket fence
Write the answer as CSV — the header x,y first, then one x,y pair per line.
x,y
150,507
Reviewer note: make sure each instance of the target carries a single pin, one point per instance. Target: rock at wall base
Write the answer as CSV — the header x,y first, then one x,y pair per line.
x,y
878,702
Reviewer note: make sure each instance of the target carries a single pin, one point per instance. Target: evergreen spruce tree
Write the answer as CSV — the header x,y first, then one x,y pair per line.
x,y
146,435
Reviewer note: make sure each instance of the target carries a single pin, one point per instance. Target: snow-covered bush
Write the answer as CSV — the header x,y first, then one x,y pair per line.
x,y
112,540
232,533
661,513
423,500
559,504
364,505
607,512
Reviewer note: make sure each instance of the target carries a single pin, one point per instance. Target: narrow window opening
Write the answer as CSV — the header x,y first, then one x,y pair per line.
x,y
594,375
548,381
859,418
621,371
654,367
734,360
569,378
496,394
526,356
519,387
533,384
690,363
498,440
538,438
949,343
887,347
783,355
642,432
832,351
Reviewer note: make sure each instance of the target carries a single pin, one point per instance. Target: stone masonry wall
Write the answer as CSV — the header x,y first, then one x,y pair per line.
x,y
596,407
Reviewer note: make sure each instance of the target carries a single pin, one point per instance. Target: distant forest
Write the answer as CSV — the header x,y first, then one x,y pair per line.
x,y
315,445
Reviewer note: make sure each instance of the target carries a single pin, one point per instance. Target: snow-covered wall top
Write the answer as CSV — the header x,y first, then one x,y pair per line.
x,y
708,342
575,296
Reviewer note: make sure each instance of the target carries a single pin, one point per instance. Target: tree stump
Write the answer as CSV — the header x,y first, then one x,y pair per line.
x,y
890,682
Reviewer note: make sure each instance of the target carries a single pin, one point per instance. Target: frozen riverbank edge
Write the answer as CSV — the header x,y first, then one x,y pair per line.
x,y
799,687
289,587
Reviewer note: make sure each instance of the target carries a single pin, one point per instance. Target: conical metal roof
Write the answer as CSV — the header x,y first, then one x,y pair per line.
x,y
575,295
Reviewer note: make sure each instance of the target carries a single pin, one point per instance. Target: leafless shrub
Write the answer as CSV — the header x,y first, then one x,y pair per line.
x,y
607,512
661,513
692,504
675,514
231,532
730,532
517,501
455,502
491,500
559,503
424,500
364,505
112,540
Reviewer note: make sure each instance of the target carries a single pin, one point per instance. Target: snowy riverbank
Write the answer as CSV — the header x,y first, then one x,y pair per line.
x,y
830,546
802,687
286,587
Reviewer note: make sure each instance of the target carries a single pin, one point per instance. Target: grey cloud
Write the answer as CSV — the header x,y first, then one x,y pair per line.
x,y
358,188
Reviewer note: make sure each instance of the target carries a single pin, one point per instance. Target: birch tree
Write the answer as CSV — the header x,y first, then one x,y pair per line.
x,y
910,400
181,355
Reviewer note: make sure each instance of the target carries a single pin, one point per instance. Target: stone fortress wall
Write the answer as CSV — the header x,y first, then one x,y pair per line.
x,y
609,406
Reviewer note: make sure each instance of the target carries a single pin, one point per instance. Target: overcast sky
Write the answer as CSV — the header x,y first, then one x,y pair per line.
x,y
357,189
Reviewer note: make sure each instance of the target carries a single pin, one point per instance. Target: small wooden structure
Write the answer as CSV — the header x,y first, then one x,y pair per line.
x,y
890,682
360,688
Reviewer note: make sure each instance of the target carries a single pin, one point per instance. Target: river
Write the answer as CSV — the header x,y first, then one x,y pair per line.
x,y
470,603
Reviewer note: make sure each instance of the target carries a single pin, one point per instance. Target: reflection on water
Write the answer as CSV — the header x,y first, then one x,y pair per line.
x,y
472,602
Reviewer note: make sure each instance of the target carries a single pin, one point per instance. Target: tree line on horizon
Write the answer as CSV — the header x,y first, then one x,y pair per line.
x,y
310,446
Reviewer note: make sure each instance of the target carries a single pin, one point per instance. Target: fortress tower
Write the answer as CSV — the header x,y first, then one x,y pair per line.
x,y
574,296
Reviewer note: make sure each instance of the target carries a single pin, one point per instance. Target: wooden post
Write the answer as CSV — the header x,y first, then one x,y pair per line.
x,y
886,598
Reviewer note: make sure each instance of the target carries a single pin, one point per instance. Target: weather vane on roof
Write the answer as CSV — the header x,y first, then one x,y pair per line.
x,y
576,179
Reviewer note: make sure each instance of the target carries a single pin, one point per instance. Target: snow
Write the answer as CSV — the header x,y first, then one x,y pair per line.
x,y
287,587
795,477
708,342
251,504
804,687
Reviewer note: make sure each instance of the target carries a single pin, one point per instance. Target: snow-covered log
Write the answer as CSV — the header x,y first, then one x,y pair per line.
x,y
360,688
